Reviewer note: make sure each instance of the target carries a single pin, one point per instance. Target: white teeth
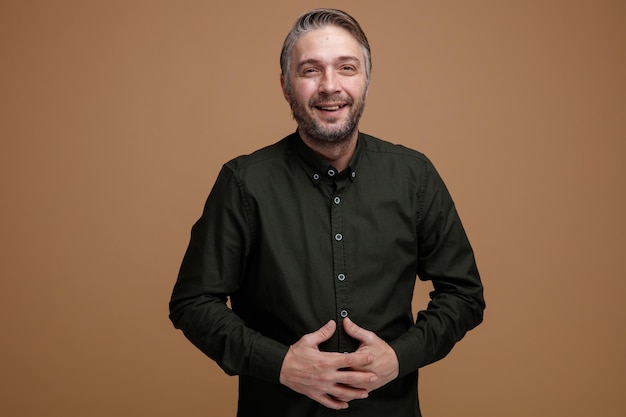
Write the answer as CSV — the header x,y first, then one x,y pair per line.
x,y
330,108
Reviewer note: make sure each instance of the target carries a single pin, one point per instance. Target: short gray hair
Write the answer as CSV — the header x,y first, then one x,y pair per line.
x,y
316,19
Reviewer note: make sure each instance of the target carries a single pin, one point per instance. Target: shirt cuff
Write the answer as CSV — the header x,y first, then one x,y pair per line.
x,y
266,359
410,353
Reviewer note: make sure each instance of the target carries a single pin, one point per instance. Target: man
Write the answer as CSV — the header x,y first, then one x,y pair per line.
x,y
318,240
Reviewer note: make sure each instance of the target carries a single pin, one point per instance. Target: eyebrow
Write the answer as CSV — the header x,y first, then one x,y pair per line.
x,y
317,61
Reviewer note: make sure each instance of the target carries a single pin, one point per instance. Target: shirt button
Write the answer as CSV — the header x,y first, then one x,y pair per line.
x,y
337,200
338,237
341,277
344,313
353,174
316,177
331,172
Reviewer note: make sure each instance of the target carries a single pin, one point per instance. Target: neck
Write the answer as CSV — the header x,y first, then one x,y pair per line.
x,y
338,154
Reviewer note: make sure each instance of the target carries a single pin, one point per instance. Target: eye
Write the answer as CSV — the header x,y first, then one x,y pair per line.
x,y
348,68
309,71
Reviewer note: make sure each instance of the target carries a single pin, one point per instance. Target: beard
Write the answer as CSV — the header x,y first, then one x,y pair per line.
x,y
332,133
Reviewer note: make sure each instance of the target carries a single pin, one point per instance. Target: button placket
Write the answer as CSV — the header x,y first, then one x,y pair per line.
x,y
342,291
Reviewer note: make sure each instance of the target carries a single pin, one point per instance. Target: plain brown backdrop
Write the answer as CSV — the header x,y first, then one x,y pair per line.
x,y
116,116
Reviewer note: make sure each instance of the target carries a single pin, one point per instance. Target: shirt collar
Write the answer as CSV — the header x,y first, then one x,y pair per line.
x,y
317,168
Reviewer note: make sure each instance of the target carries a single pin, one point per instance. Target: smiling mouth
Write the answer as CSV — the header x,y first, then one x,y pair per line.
x,y
331,108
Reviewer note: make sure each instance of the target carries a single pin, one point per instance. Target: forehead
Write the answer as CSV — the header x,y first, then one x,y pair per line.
x,y
326,44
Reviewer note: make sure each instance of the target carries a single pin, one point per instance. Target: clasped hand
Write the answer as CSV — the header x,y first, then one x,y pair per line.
x,y
334,379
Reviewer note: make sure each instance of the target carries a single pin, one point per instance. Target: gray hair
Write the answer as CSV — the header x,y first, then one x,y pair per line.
x,y
316,19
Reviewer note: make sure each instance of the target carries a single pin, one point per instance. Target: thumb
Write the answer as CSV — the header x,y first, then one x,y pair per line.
x,y
323,333
357,332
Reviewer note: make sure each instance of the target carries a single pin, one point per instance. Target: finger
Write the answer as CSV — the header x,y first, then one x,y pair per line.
x,y
331,401
347,393
355,380
347,360
357,332
322,334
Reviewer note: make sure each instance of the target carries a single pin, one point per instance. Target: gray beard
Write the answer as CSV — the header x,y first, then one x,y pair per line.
x,y
327,135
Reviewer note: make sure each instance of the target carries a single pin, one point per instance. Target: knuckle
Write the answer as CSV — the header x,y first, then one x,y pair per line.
x,y
320,365
324,378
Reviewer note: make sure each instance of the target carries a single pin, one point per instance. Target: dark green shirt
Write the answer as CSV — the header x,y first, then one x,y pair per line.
x,y
294,243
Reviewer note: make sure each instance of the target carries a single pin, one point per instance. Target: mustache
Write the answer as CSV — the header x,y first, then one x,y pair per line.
x,y
337,98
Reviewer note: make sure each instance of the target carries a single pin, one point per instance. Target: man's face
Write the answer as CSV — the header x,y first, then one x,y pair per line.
x,y
328,84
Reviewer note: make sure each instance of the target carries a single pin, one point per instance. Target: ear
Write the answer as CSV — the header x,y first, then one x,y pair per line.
x,y
284,88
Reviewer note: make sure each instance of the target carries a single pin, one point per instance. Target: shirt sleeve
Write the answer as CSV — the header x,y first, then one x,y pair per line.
x,y
446,258
212,269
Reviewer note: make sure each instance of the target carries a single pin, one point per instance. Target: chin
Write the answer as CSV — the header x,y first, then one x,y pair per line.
x,y
334,136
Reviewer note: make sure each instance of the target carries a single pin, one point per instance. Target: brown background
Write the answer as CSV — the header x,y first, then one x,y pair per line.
x,y
116,116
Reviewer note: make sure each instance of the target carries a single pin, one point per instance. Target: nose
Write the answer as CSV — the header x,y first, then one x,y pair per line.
x,y
329,83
